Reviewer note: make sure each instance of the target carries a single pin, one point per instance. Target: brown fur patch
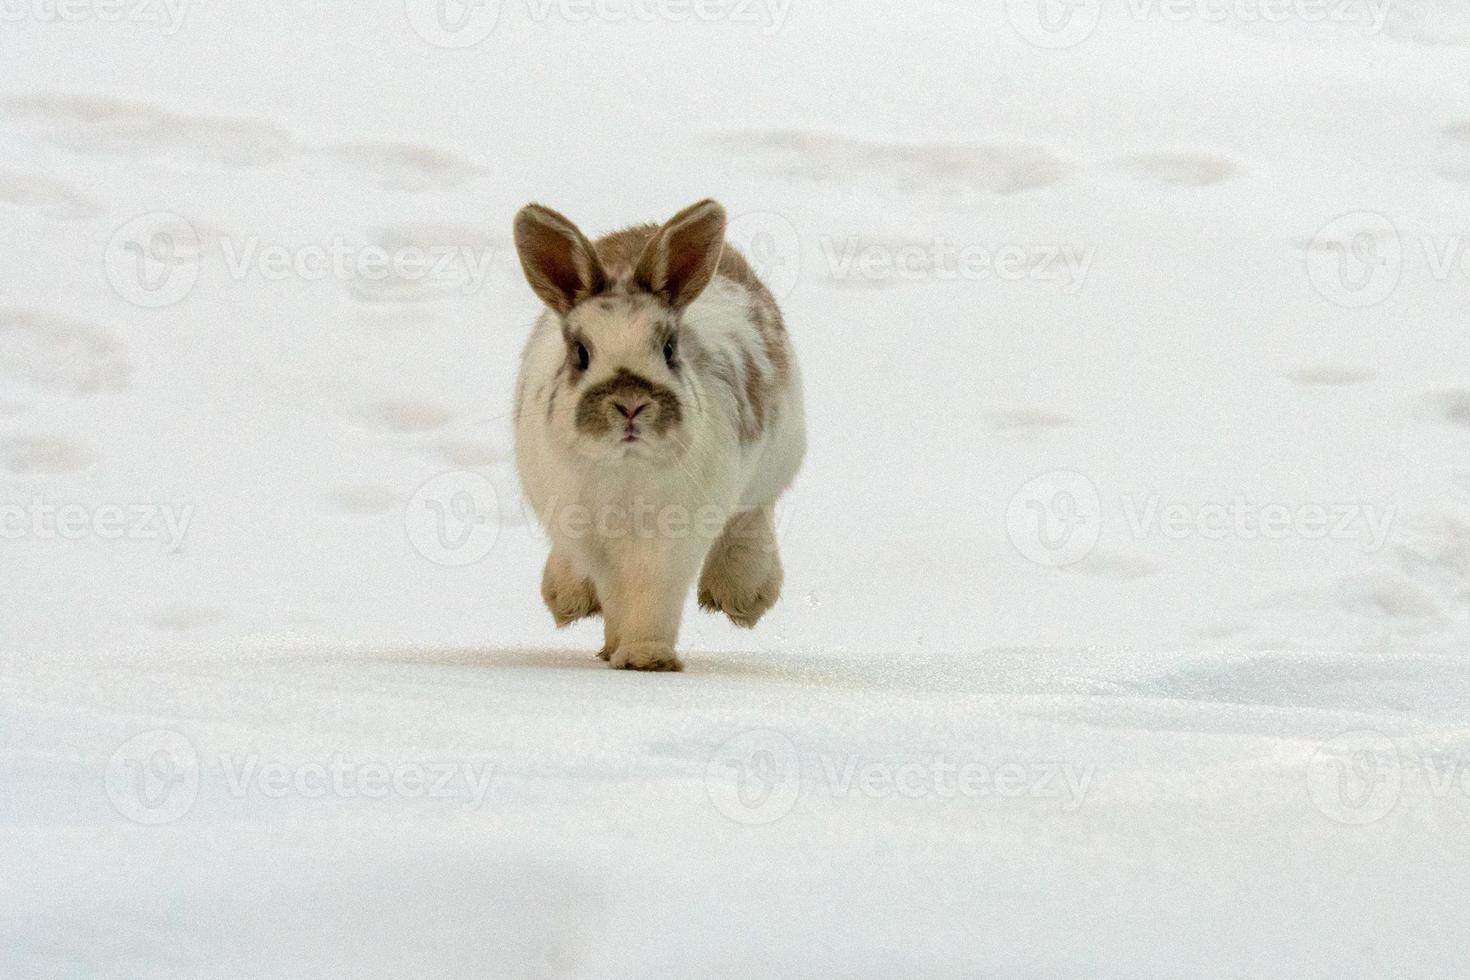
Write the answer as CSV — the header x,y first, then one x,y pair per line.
x,y
619,251
756,395
592,415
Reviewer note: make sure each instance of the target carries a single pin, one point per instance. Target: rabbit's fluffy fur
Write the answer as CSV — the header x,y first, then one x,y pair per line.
x,y
658,417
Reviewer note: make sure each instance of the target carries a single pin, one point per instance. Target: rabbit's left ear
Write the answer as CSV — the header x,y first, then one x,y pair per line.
x,y
683,257
560,263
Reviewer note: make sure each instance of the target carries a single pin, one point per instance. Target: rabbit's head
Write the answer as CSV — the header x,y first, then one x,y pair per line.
x,y
624,388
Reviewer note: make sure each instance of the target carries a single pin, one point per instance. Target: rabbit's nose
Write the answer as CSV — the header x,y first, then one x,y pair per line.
x,y
630,408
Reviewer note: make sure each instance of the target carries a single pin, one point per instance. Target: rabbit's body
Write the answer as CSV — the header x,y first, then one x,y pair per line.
x,y
658,417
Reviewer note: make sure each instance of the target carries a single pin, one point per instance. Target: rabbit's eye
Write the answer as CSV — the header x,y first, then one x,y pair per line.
x,y
582,355
669,352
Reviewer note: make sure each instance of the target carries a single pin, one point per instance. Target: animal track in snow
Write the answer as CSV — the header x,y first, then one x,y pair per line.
x,y
368,501
405,166
1435,549
184,619
466,454
1452,155
49,197
1124,568
1030,421
402,417
1387,596
143,132
1180,169
41,455
1429,22
1452,406
949,169
173,140
429,235
70,356
1326,375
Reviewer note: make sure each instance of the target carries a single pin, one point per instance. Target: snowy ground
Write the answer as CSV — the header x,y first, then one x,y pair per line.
x,y
1128,580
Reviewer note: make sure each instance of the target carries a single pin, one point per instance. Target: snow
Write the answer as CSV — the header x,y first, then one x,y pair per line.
x,y
1128,578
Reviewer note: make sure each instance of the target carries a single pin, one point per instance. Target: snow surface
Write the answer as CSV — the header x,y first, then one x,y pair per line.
x,y
1004,723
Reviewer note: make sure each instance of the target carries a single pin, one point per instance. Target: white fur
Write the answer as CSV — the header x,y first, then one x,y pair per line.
x,y
642,580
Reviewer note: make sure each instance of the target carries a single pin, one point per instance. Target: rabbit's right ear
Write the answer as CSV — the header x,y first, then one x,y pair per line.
x,y
559,261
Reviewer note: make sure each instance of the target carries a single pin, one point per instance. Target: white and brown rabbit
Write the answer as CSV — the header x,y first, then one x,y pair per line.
x,y
658,417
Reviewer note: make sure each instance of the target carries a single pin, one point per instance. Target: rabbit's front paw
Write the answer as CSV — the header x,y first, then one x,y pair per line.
x,y
743,590
742,573
569,596
645,656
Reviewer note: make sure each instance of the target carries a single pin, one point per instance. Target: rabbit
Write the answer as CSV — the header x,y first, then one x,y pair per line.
x,y
658,418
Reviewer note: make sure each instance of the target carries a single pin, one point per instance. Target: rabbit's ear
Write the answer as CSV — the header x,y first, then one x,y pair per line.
x,y
559,261
683,257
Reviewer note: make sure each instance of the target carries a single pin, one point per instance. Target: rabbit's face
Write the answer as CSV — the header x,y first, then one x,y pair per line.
x,y
623,389
622,377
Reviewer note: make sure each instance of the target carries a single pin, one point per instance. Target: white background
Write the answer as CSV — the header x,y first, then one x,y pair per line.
x,y
1274,215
